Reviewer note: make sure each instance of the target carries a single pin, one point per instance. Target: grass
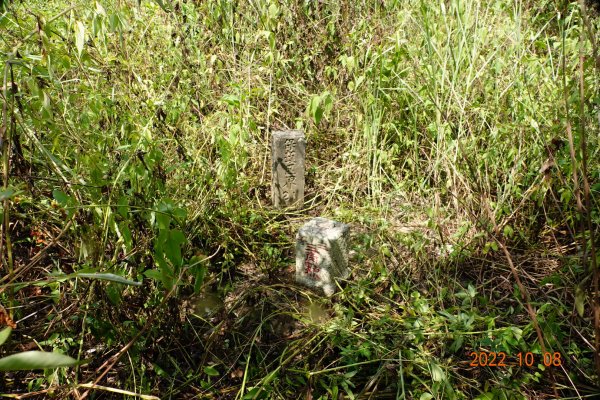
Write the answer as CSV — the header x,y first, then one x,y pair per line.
x,y
450,135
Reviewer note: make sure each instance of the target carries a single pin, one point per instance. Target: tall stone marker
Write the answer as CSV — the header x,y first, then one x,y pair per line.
x,y
288,151
322,254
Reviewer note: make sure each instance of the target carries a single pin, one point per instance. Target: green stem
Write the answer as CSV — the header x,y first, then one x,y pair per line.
x,y
5,237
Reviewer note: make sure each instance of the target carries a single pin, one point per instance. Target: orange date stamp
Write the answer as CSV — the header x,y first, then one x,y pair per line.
x,y
501,359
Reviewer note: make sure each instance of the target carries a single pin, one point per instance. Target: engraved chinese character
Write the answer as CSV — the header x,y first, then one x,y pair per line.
x,y
290,164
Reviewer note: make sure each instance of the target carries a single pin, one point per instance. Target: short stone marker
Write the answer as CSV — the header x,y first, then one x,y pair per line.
x,y
322,254
288,150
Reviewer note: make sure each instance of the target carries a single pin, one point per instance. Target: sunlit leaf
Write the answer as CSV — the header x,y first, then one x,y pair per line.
x,y
315,110
79,36
437,373
29,360
4,334
580,300
108,277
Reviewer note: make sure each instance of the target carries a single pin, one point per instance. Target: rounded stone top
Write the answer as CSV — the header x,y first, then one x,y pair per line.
x,y
324,228
288,134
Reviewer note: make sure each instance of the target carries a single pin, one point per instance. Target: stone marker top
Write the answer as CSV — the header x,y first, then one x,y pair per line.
x,y
291,134
323,229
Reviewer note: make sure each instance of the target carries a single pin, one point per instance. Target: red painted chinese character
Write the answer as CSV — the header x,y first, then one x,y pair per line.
x,y
310,263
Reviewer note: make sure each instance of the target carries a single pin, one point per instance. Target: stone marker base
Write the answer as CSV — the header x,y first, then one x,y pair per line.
x,y
322,254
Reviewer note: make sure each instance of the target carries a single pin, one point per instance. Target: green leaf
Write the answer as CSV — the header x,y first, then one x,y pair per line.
x,y
252,393
231,99
4,334
123,206
162,5
79,36
426,396
125,234
7,194
327,102
61,197
114,293
437,373
46,106
153,274
29,360
315,110
198,270
163,213
472,291
211,371
273,11
107,277
172,247
579,300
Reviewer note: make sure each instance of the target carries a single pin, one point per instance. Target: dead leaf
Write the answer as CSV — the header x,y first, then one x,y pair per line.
x,y
5,319
547,166
237,373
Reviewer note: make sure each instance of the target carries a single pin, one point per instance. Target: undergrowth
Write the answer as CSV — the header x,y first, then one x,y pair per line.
x,y
458,139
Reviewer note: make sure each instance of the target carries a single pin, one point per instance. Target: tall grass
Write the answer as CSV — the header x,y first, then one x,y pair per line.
x,y
438,130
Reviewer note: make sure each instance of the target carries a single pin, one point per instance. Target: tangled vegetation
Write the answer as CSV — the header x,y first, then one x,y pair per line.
x,y
140,251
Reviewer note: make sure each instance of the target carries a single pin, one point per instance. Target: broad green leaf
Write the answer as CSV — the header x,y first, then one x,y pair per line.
x,y
163,213
29,360
273,11
79,36
4,334
472,291
231,99
426,396
163,273
211,371
7,194
153,274
315,110
61,197
172,247
327,102
114,293
579,300
437,373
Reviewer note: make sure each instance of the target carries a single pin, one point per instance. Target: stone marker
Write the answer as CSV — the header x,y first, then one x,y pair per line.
x,y
287,156
322,254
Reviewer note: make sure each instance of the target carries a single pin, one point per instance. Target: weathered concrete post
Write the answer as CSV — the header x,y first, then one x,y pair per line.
x,y
322,254
288,149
